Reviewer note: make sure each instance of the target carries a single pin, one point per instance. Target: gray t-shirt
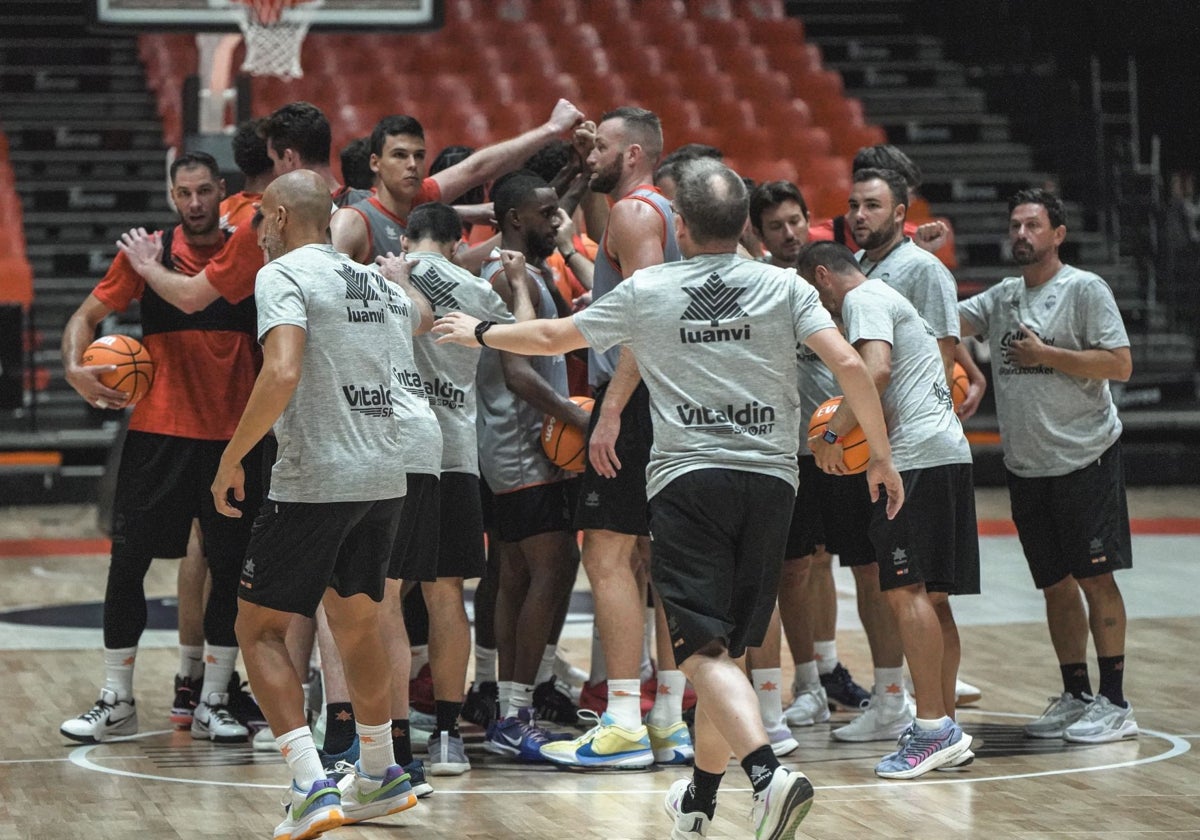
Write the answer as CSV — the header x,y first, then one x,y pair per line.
x,y
715,339
1051,423
923,279
448,370
923,429
817,384
340,439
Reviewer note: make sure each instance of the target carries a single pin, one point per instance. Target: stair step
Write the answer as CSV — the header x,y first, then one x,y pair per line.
x,y
95,80
940,74
53,109
148,165
26,51
889,47
905,129
978,186
93,230
118,135
921,101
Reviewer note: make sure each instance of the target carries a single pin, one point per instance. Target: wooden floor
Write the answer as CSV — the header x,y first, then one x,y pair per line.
x,y
160,784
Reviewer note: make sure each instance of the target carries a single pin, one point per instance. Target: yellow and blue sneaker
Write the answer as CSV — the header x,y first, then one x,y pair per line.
x,y
671,744
605,745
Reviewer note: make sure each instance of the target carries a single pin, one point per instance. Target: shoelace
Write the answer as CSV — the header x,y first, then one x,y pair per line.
x,y
97,711
343,767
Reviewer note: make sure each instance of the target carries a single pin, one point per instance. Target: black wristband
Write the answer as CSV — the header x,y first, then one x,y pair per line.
x,y
567,256
481,328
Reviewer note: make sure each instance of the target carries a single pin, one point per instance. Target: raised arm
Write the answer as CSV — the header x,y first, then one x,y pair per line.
x,y
188,293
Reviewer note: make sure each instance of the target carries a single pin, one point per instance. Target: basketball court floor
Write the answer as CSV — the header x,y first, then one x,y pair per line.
x,y
161,784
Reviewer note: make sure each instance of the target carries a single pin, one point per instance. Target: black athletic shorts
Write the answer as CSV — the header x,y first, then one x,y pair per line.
x,y
540,509
299,550
846,512
619,504
1075,524
807,531
934,539
717,543
460,547
415,553
163,483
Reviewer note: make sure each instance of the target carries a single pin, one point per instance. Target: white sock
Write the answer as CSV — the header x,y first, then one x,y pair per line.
x,y
420,658
668,703
118,671
888,678
599,671
301,756
930,725
546,667
807,677
649,623
191,661
504,691
375,754
826,656
770,698
625,703
218,668
485,665
522,698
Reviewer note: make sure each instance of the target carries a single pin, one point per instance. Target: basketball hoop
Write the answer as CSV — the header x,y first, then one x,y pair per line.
x,y
274,31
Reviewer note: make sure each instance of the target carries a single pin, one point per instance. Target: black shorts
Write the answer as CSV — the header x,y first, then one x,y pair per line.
x,y
415,553
717,543
298,550
163,483
846,513
541,509
460,547
807,531
619,504
1075,524
934,539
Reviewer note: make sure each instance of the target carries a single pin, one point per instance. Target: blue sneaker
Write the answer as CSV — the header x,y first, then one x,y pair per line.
x,y
366,797
842,691
312,813
605,745
416,777
671,744
923,750
520,737
339,764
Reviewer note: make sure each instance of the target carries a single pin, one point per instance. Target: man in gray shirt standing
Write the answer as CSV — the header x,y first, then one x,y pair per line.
x,y
714,337
1056,338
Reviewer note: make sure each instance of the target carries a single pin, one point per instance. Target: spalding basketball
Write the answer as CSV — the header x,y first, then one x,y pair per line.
x,y
135,369
959,385
565,445
855,452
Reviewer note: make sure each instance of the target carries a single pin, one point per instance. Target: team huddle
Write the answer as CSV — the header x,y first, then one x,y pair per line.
x,y
351,391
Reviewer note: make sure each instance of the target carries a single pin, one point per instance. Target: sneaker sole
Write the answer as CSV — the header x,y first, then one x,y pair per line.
x,y
808,721
684,756
890,735
449,768
1127,731
181,720
785,747
93,739
635,761
968,699
220,739
423,790
796,807
328,822
1047,735
942,758
383,808
507,750
964,761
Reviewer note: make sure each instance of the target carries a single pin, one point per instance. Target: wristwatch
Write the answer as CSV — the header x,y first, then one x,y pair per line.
x,y
829,436
481,328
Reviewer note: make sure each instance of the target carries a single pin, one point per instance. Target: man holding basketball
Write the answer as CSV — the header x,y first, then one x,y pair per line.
x,y
1057,337
205,366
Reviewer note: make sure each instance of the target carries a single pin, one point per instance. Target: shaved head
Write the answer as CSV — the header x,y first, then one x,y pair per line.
x,y
295,212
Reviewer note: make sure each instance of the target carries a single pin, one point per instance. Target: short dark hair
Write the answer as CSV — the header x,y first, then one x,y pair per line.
x,y
452,156
644,127
712,200
436,221
250,149
549,160
191,160
1055,210
771,194
896,184
302,127
355,158
833,255
691,151
887,156
512,190
390,127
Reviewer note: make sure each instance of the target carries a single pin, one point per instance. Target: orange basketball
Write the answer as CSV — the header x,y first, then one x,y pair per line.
x,y
855,452
959,385
135,369
565,445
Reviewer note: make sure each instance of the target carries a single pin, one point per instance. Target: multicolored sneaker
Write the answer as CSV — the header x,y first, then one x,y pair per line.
x,y
808,708
183,708
108,718
312,813
367,797
604,746
594,698
1102,723
552,702
1061,713
781,740
925,750
843,692
671,744
213,721
482,704
520,737
780,807
688,824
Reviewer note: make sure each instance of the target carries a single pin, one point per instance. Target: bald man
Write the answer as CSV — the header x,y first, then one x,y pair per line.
x,y
330,331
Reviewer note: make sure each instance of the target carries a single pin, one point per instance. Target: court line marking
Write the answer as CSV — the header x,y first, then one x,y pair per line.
x,y
1179,746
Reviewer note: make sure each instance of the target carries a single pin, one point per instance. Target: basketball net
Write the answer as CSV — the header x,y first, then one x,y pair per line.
x,y
273,31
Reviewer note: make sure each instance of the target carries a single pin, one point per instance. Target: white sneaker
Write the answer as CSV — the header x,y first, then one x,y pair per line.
x,y
965,694
781,740
307,814
782,805
108,718
886,718
569,674
214,722
447,755
1102,723
264,741
808,708
1061,713
366,797
690,825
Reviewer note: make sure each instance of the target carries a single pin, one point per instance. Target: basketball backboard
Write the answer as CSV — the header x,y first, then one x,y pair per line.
x,y
220,15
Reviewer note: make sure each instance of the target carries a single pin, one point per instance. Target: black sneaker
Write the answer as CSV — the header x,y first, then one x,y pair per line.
x,y
843,691
552,703
183,709
243,706
482,704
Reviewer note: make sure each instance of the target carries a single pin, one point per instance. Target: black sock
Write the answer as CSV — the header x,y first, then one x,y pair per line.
x,y
1112,679
401,742
701,794
447,716
760,767
339,728
1076,680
